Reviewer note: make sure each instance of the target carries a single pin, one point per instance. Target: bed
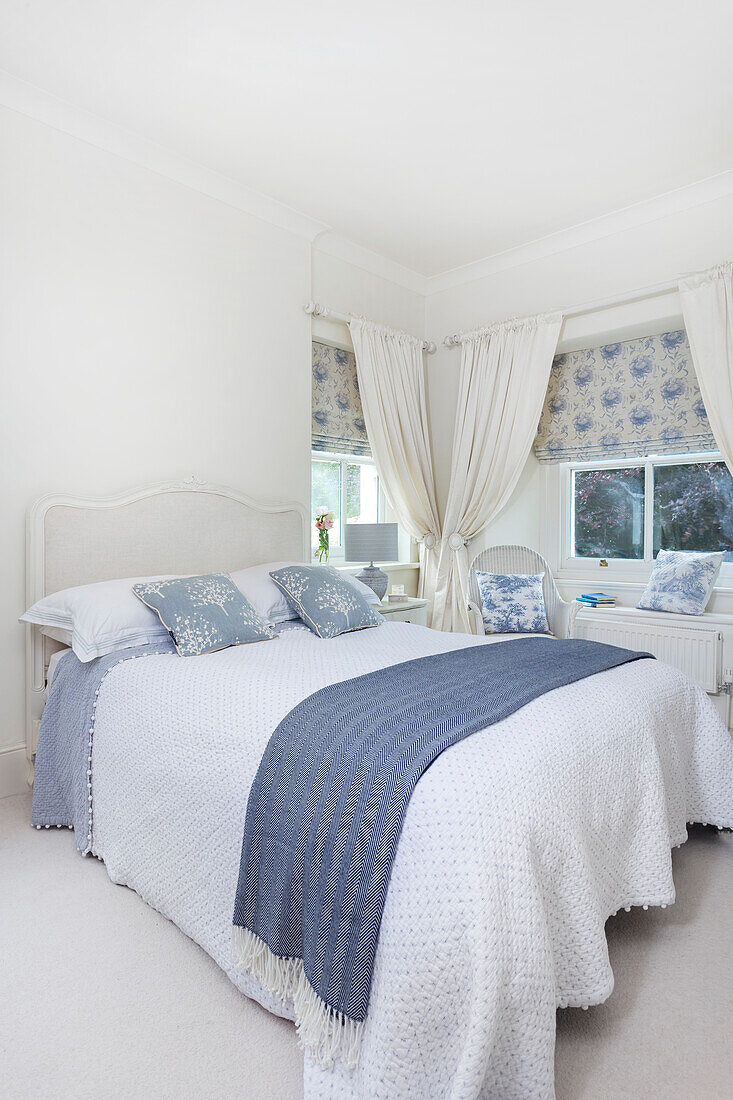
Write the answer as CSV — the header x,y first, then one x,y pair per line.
x,y
516,847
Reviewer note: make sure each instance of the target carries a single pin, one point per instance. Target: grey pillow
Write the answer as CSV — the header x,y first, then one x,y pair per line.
x,y
326,603
204,613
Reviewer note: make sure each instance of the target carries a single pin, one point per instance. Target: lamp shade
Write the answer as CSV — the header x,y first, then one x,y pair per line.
x,y
370,541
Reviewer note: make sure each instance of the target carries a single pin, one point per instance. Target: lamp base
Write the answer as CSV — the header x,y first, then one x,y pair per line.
x,y
374,578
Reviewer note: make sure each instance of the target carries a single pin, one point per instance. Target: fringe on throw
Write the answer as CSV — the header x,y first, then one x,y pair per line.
x,y
325,1033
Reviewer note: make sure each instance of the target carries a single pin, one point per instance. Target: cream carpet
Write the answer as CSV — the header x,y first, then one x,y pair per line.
x,y
101,997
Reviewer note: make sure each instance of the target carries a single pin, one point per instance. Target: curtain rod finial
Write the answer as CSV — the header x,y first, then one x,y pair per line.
x,y
315,309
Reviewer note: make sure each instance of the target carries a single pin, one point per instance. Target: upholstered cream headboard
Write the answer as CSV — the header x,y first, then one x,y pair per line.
x,y
177,527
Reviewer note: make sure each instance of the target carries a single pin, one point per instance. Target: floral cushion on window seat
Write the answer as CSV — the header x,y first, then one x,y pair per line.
x,y
681,583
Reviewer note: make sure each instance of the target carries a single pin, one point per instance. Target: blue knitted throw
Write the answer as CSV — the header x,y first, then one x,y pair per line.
x,y
326,809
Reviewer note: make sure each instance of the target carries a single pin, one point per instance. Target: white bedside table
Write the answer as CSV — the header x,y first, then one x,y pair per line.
x,y
408,610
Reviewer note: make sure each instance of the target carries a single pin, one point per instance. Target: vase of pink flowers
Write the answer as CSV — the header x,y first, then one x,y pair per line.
x,y
324,523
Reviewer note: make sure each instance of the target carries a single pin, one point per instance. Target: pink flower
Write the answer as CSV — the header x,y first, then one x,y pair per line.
x,y
319,524
329,524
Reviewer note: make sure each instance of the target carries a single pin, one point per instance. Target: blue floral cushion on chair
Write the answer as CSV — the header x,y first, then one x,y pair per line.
x,y
204,613
512,603
681,583
326,603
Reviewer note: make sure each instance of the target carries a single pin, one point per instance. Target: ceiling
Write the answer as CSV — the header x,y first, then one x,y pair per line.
x,y
434,134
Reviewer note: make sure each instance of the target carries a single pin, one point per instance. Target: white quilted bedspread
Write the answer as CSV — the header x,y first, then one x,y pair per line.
x,y
518,843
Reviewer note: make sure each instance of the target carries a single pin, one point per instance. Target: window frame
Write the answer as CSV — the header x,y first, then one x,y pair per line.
x,y
337,553
619,569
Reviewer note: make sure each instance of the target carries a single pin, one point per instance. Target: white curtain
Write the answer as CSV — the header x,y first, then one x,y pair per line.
x,y
707,307
391,377
505,370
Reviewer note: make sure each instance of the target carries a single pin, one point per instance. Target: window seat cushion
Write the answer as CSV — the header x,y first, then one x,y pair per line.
x,y
681,583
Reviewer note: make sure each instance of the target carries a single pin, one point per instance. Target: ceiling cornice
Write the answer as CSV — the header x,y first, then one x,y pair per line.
x,y
629,217
334,244
27,99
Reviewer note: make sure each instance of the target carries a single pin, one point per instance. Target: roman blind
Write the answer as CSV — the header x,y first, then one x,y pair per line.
x,y
337,423
637,397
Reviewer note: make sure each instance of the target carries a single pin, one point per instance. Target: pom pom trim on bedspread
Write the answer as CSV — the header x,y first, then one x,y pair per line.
x,y
325,1033
89,850
328,1035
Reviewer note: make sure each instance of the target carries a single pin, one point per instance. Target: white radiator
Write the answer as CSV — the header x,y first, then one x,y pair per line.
x,y
696,651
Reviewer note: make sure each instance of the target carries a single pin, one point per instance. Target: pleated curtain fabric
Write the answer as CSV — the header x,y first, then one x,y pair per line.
x,y
707,307
391,377
505,370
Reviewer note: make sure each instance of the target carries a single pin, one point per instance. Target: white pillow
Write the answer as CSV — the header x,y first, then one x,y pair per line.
x,y
95,619
368,593
269,601
53,664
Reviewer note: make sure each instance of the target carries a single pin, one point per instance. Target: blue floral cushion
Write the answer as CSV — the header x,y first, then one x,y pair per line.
x,y
680,582
326,603
204,613
512,603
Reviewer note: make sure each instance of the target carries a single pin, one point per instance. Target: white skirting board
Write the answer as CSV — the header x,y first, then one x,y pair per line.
x,y
13,769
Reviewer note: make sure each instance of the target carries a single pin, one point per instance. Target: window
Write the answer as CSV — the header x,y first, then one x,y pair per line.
x,y
630,510
693,507
349,487
608,507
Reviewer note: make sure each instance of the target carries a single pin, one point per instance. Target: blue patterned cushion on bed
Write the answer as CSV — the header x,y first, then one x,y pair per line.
x,y
680,582
204,613
326,603
512,603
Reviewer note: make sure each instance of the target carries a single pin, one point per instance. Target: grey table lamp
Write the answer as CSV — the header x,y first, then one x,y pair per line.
x,y
367,541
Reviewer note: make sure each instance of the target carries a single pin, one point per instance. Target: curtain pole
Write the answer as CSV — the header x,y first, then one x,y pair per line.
x,y
315,309
601,303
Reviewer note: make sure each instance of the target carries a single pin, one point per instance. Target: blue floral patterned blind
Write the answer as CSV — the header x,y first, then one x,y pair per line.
x,y
337,418
638,397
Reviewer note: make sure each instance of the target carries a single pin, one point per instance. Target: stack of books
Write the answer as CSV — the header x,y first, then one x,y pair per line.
x,y
596,599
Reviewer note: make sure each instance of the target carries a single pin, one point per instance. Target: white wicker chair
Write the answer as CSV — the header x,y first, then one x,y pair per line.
x,y
520,559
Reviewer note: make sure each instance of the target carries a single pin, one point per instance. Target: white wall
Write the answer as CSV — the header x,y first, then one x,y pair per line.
x,y
644,256
347,288
148,332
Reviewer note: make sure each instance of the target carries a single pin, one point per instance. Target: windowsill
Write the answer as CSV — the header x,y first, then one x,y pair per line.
x,y
707,617
601,577
720,604
352,566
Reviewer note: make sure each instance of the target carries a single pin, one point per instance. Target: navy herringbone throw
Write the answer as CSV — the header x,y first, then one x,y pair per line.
x,y
327,804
